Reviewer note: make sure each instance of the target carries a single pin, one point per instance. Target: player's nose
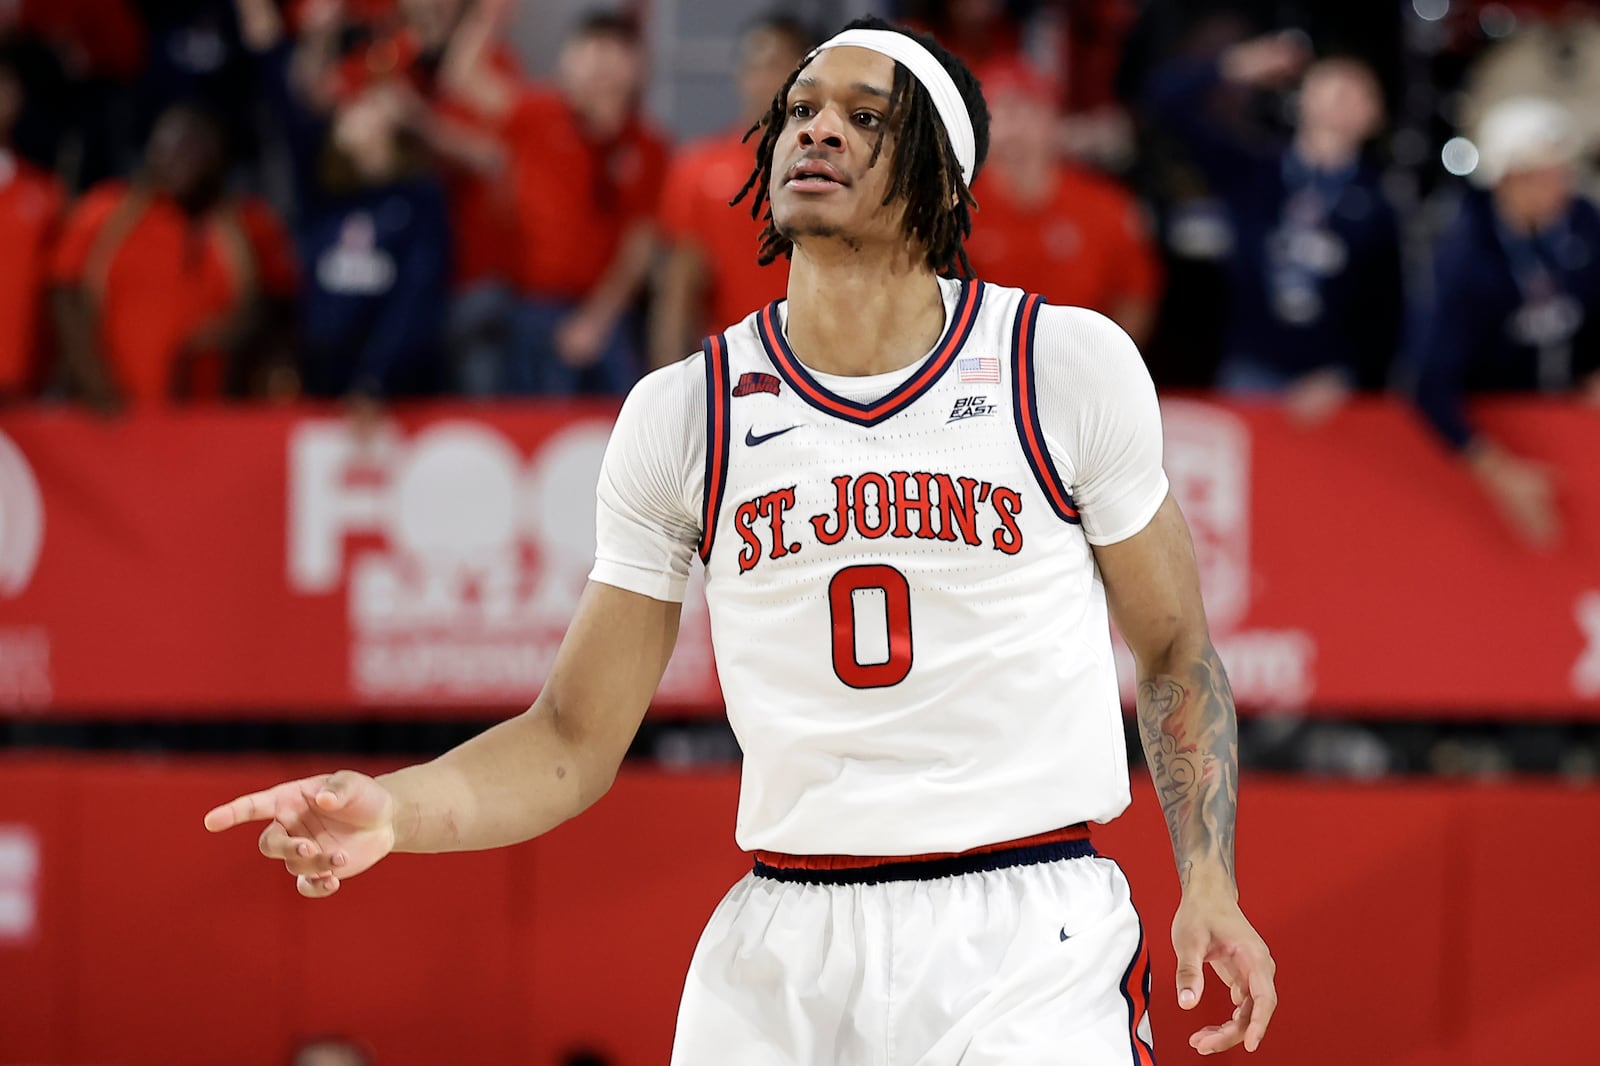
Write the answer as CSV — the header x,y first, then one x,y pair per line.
x,y
825,128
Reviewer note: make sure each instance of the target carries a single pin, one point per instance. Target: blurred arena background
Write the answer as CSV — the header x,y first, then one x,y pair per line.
x,y
313,316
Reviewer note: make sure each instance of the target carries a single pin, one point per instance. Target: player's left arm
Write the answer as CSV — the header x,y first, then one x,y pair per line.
x,y
1102,423
1190,734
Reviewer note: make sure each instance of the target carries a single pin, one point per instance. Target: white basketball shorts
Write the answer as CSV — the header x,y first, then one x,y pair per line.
x,y
1021,955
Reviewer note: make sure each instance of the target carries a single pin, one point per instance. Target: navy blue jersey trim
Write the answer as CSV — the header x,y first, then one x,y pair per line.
x,y
957,331
1025,407
928,869
717,439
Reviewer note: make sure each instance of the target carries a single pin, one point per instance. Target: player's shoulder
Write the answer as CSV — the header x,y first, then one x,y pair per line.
x,y
672,386
1082,345
1080,335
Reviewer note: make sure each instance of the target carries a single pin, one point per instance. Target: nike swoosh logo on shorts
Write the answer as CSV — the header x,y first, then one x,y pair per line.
x,y
751,439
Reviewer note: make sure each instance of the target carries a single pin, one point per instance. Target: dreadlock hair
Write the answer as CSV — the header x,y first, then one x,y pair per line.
x,y
925,171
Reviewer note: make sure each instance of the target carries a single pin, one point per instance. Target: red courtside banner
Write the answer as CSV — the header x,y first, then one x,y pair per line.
x,y
225,562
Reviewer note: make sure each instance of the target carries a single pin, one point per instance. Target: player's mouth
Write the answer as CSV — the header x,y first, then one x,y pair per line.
x,y
815,175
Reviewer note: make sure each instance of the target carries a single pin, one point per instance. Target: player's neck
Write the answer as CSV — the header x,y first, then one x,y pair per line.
x,y
855,314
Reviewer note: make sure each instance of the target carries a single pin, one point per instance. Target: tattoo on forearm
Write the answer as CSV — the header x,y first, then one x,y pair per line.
x,y
1191,740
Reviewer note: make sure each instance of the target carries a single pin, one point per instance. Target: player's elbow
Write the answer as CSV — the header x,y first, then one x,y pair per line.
x,y
586,755
1160,648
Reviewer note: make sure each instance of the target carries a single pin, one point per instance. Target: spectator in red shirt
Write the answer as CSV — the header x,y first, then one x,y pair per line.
x,y
585,172
710,278
164,286
1050,227
30,207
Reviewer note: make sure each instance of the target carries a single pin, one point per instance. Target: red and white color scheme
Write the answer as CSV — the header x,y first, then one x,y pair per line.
x,y
215,561
1209,454
19,884
914,543
916,658
524,956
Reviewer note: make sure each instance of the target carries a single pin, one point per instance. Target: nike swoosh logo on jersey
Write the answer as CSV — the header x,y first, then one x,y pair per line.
x,y
1063,934
751,439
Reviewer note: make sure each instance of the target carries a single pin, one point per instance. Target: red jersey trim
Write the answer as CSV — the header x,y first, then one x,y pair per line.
x,y
807,388
716,353
1025,405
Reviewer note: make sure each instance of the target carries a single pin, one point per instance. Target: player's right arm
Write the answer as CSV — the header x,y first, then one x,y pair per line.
x,y
521,778
529,774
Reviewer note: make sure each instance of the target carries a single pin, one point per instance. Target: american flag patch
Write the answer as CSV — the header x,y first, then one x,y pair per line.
x,y
978,368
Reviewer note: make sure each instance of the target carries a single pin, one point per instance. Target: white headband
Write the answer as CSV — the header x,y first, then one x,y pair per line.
x,y
926,69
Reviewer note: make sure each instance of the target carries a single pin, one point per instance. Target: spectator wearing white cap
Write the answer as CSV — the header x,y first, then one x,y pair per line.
x,y
1515,299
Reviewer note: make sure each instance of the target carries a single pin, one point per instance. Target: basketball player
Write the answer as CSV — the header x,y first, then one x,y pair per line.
x,y
915,497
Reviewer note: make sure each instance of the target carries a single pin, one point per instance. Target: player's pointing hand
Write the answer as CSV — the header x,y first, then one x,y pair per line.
x,y
324,828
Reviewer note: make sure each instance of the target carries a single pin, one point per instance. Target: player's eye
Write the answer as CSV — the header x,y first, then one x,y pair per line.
x,y
867,120
800,111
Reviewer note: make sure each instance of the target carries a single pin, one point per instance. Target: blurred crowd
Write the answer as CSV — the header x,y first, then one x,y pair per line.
x,y
374,199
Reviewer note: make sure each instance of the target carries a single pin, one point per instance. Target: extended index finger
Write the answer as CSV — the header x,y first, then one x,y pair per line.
x,y
256,807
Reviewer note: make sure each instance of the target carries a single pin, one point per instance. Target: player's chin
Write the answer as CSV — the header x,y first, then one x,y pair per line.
x,y
802,221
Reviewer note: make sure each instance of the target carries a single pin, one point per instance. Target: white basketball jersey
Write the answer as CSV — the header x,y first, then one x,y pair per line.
x,y
910,630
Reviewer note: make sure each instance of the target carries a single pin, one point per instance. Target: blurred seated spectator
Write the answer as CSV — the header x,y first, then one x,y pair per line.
x,y
372,227
165,286
30,208
979,31
709,278
586,171
1516,298
1051,227
1315,301
331,1051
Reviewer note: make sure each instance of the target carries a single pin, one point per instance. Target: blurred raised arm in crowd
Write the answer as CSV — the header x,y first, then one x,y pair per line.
x,y
585,169
371,220
1314,270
